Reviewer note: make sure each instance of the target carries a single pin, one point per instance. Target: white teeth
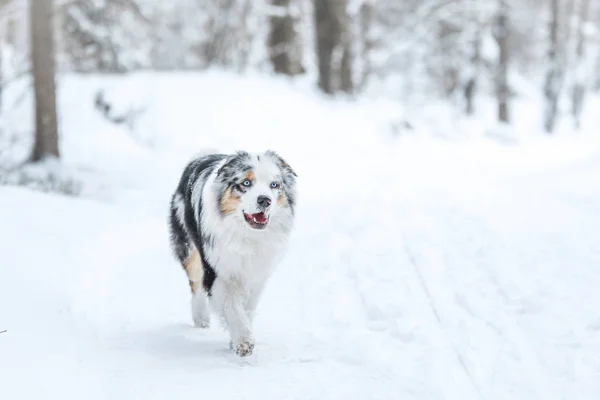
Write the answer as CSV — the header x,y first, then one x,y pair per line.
x,y
255,220
258,219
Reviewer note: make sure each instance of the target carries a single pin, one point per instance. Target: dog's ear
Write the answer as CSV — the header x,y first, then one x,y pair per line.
x,y
234,163
285,167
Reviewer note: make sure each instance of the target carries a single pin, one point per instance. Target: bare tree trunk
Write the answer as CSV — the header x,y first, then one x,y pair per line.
x,y
367,16
471,83
42,56
346,81
2,83
501,35
328,35
554,75
596,81
282,41
345,70
2,42
580,65
473,69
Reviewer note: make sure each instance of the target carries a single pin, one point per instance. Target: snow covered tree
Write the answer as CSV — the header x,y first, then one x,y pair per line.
x,y
106,36
14,42
457,51
432,47
228,36
124,35
42,57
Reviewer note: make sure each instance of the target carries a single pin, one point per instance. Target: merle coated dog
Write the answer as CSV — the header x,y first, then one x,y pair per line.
x,y
231,217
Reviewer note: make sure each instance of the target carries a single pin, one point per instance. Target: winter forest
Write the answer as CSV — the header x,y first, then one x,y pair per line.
x,y
445,237
462,52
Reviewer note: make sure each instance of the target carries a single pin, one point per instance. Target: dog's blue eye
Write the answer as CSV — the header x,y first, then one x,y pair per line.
x,y
274,185
247,182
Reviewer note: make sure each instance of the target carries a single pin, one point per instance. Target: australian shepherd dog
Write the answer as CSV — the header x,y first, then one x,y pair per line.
x,y
230,220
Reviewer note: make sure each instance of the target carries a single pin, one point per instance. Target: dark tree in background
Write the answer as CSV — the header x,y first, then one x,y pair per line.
x,y
501,35
581,64
553,76
328,34
470,85
345,67
284,53
42,60
367,43
457,51
333,37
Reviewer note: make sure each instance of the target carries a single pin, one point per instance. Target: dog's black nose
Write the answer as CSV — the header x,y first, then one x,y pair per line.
x,y
264,201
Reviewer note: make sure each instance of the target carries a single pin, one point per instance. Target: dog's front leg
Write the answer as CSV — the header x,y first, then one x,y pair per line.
x,y
229,298
252,303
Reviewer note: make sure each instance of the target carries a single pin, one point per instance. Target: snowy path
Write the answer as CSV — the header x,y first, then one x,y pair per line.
x,y
414,272
430,297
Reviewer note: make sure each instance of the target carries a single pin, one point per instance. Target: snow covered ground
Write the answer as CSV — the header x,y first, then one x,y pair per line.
x,y
420,267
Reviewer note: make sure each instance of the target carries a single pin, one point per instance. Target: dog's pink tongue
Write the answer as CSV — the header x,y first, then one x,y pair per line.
x,y
261,218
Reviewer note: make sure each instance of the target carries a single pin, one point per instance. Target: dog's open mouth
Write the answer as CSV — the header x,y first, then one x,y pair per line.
x,y
258,220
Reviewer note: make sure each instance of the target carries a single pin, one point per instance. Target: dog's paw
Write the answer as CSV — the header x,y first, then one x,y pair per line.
x,y
242,349
202,323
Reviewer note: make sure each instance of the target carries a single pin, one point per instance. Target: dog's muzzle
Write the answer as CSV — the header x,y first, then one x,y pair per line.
x,y
257,220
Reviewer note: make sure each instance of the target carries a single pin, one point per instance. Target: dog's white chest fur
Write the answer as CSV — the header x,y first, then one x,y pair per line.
x,y
237,252
243,257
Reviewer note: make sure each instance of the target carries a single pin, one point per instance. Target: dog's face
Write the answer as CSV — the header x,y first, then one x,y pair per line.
x,y
259,190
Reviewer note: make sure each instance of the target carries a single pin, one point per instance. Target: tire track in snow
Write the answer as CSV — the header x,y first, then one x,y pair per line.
x,y
438,318
516,322
374,272
458,224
